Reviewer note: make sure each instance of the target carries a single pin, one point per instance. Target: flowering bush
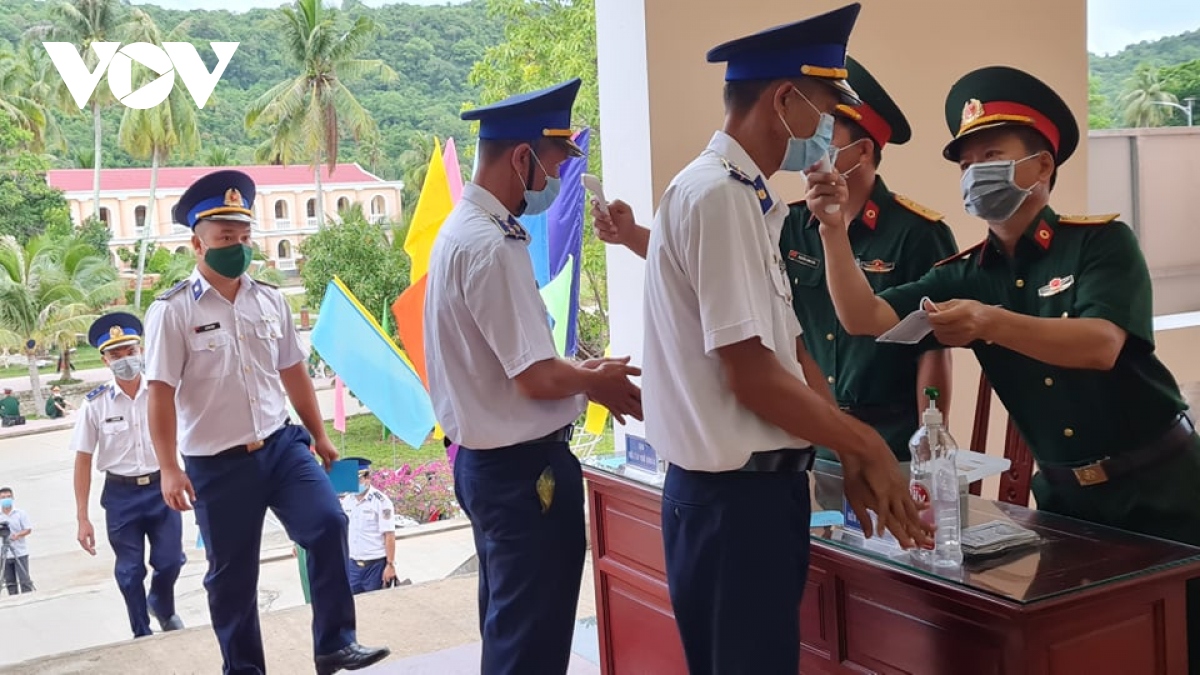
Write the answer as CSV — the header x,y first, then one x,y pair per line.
x,y
424,492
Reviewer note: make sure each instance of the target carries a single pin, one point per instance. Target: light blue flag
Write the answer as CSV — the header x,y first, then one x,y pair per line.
x,y
355,347
538,228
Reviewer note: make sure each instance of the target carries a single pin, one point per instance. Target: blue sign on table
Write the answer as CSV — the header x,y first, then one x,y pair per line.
x,y
639,454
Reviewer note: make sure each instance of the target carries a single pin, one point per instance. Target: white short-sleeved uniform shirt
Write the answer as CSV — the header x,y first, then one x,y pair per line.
x,y
223,359
486,323
370,518
17,521
115,428
713,278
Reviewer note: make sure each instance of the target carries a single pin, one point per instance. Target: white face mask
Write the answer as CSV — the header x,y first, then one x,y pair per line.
x,y
127,368
834,151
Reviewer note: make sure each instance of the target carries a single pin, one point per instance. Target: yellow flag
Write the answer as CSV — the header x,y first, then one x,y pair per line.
x,y
597,415
433,206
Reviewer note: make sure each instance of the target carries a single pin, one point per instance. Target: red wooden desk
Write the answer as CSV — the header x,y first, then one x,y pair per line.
x,y
1088,600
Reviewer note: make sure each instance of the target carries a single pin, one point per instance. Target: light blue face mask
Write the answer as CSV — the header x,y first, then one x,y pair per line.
x,y
539,201
803,153
363,487
6,503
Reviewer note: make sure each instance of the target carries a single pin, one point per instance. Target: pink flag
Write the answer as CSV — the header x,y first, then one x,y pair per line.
x,y
453,173
339,405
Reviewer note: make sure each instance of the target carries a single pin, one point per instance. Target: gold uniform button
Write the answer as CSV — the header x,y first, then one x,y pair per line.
x,y
1049,381
829,337
1065,314
1068,432
1020,283
830,378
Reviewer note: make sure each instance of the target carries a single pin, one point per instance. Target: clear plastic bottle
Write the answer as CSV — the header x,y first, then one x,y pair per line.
x,y
934,481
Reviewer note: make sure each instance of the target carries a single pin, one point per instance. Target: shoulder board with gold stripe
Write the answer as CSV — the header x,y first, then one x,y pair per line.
x,y
924,212
962,255
1088,220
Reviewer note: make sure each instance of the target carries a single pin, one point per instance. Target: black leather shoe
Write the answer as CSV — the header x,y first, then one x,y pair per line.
x,y
351,657
171,623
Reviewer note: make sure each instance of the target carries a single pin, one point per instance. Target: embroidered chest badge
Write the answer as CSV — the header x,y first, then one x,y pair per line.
x,y
1056,285
876,266
806,260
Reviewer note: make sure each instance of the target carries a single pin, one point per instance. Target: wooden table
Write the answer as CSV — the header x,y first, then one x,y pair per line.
x,y
1088,599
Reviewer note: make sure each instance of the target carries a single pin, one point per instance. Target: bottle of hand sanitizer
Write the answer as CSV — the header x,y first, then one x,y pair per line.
x,y
934,481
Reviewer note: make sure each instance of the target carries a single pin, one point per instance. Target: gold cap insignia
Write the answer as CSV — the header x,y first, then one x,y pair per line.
x,y
115,332
233,197
972,110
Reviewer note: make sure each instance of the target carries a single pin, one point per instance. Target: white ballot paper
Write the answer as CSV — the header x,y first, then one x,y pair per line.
x,y
911,329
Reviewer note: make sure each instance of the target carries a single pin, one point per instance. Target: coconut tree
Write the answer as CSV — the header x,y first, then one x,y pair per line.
x,y
314,108
50,291
82,22
154,134
1144,97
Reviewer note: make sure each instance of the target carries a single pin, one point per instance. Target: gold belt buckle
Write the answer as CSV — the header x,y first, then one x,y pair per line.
x,y
1092,474
143,480
360,563
253,445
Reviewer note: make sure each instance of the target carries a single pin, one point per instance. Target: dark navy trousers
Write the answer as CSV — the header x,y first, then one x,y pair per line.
x,y
736,547
530,560
233,493
366,578
136,514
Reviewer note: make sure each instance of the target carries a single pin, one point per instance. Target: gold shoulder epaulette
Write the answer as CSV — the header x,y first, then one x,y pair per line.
x,y
961,255
1088,220
926,213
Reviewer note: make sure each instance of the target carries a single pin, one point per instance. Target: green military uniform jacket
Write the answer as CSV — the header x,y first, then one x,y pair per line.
x,y
1076,267
10,406
896,242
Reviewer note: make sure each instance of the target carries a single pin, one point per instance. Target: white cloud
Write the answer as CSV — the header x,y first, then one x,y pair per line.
x,y
1115,24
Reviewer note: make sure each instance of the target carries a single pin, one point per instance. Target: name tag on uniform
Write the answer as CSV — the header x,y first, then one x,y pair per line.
x,y
206,327
806,260
118,418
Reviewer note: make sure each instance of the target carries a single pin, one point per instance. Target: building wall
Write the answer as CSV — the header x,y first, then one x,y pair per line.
x,y
382,202
1149,176
660,103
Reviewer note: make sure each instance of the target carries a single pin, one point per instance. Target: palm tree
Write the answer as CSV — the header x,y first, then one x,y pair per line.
x,y
1143,99
154,134
218,155
20,100
313,109
82,22
49,293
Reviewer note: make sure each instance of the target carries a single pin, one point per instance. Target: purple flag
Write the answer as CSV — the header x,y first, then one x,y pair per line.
x,y
565,230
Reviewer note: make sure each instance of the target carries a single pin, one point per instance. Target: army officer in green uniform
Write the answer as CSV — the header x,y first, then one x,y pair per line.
x,y
1058,311
895,241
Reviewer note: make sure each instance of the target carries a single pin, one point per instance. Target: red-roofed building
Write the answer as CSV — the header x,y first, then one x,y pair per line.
x,y
285,205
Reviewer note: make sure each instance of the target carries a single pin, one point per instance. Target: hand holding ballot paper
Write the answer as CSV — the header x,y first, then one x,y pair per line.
x,y
955,323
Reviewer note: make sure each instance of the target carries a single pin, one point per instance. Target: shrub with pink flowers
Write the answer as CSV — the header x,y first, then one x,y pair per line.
x,y
424,492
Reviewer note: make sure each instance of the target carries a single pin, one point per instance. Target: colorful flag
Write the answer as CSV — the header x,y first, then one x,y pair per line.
x,y
453,172
433,206
354,345
565,234
557,297
409,310
339,405
593,421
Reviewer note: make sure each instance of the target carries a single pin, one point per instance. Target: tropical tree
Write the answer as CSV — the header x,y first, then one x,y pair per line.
x,y
310,112
218,156
26,98
50,291
1099,109
155,133
1142,102
82,22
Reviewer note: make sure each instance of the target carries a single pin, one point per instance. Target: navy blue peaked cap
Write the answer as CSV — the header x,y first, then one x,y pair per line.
x,y
114,329
545,113
814,47
220,195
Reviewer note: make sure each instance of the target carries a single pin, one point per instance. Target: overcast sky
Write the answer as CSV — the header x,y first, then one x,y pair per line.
x,y
1112,24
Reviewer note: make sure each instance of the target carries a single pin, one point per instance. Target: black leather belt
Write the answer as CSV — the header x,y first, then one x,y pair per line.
x,y
367,563
881,413
563,435
252,446
144,479
1101,471
786,460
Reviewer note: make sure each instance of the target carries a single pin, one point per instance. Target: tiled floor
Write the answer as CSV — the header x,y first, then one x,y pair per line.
x,y
464,659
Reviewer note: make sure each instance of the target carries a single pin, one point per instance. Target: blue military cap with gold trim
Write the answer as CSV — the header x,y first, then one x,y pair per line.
x,y
814,47
114,329
220,195
545,113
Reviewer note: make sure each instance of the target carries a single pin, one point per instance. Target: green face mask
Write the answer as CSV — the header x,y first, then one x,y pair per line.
x,y
230,261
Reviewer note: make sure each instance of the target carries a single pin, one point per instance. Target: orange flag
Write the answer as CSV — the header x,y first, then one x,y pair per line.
x,y
409,311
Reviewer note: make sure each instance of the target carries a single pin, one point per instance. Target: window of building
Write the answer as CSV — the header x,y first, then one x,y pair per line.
x,y
281,213
285,249
139,217
104,215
